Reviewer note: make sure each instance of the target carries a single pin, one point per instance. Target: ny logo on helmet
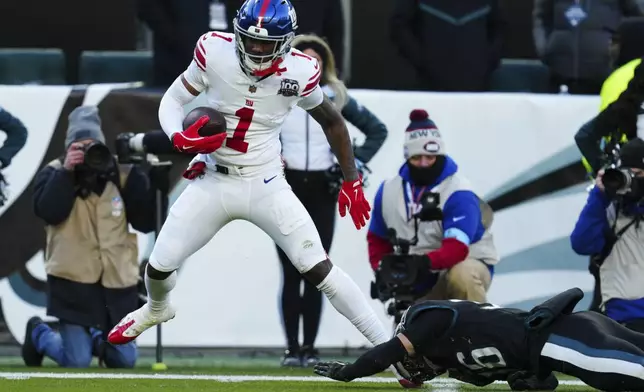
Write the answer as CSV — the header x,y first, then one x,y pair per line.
x,y
289,88
291,13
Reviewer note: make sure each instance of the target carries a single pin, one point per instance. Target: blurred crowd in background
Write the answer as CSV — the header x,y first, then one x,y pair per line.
x,y
433,45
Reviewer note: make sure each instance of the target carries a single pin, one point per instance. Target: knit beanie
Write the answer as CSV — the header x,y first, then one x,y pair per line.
x,y
84,123
422,136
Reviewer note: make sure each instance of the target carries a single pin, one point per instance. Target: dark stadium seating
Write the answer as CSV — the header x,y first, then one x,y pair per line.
x,y
32,66
520,75
115,66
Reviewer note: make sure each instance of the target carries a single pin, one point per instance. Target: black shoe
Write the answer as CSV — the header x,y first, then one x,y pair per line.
x,y
291,359
310,356
30,354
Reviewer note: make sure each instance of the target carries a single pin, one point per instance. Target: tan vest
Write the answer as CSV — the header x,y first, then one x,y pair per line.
x,y
94,243
430,234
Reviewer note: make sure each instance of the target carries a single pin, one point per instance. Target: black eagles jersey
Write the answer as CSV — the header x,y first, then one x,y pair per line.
x,y
480,340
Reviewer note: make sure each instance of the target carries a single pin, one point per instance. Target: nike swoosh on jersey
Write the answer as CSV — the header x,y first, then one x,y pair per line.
x,y
458,218
269,180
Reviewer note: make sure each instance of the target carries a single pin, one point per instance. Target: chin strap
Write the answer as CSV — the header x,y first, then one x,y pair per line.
x,y
273,68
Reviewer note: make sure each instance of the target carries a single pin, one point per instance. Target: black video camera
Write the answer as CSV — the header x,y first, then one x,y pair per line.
x,y
400,273
398,276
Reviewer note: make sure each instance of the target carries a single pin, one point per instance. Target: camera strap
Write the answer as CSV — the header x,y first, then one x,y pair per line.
x,y
597,259
617,235
411,202
623,229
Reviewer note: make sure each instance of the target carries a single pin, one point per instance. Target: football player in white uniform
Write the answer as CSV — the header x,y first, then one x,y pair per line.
x,y
253,78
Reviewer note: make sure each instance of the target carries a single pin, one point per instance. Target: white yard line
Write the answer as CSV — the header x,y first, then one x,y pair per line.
x,y
441,381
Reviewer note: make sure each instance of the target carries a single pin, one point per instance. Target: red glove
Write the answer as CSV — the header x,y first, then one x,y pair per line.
x,y
195,170
352,198
189,141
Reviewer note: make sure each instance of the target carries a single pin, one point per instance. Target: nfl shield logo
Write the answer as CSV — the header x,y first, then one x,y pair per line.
x,y
117,206
252,89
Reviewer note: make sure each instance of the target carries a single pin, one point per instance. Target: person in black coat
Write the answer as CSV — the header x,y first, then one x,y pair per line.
x,y
87,202
176,25
453,45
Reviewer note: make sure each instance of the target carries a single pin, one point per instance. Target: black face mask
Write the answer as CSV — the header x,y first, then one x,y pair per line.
x,y
424,176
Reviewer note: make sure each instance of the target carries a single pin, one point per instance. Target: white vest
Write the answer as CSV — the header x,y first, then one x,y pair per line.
x,y
304,144
430,234
622,272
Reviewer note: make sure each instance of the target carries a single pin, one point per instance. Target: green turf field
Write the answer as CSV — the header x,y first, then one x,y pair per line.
x,y
169,382
195,371
234,378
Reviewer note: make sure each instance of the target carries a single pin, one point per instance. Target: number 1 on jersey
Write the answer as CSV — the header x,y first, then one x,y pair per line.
x,y
236,142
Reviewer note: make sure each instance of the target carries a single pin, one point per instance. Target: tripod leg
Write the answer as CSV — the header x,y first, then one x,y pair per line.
x,y
160,218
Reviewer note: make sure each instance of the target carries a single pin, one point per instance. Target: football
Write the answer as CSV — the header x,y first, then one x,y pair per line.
x,y
217,123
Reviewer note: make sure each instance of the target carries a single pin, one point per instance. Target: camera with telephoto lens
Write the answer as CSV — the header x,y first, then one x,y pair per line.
x,y
617,180
97,156
124,153
400,274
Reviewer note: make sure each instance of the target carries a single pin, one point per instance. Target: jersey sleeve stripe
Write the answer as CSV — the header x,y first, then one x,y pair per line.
x,y
198,62
307,94
316,75
198,65
311,86
199,57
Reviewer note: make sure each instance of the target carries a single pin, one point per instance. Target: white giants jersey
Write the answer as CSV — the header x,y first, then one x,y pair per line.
x,y
254,108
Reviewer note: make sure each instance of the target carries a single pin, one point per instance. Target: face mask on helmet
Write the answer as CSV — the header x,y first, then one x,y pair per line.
x,y
258,54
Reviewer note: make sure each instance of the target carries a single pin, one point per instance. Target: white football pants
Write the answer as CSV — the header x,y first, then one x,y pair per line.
x,y
258,195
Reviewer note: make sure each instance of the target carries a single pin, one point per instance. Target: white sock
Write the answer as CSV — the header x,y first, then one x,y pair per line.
x,y
346,297
159,291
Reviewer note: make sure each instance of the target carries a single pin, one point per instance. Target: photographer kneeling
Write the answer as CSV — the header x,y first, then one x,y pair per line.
x,y
87,200
609,230
442,223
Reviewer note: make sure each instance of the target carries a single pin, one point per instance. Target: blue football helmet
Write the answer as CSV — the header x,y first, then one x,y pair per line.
x,y
264,30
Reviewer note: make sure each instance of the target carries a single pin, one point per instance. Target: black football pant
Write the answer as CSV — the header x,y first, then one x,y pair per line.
x,y
599,351
312,188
